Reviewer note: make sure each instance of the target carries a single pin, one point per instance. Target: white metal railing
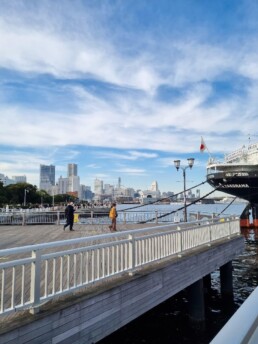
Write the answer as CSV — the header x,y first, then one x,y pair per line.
x,y
95,217
31,275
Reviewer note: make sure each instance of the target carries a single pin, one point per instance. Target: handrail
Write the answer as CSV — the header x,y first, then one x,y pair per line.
x,y
242,327
89,218
37,274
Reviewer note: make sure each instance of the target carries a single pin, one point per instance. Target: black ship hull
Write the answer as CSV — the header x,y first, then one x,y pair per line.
x,y
236,184
242,184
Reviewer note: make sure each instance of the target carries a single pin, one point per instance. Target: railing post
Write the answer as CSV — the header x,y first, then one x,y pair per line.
x,y
23,219
131,254
35,282
181,241
58,217
156,215
91,215
124,218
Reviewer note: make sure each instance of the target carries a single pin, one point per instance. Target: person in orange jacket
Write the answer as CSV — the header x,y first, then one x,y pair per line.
x,y
113,216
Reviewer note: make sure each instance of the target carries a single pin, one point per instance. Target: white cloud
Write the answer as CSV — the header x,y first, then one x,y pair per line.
x,y
115,97
131,171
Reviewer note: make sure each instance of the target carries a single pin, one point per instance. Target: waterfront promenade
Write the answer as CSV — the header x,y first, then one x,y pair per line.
x,y
124,297
16,236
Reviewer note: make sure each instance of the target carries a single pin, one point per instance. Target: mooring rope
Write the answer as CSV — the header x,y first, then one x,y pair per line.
x,y
175,211
163,199
227,206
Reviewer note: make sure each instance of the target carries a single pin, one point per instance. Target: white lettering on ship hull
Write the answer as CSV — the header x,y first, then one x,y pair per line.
x,y
235,186
237,174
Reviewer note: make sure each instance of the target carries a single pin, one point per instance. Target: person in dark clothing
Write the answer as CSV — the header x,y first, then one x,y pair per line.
x,y
69,213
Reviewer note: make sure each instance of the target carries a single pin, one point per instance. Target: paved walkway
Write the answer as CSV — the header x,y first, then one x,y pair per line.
x,y
15,236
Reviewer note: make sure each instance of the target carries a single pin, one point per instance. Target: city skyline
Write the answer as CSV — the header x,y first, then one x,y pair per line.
x,y
124,88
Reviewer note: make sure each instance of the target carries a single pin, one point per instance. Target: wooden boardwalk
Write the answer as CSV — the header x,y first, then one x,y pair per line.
x,y
86,317
16,236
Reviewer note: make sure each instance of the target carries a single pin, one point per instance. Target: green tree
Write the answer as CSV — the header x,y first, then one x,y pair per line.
x,y
3,195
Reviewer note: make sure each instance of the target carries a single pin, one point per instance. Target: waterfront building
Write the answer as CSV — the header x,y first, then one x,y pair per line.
x,y
20,179
108,189
47,177
154,186
129,192
98,186
149,196
5,180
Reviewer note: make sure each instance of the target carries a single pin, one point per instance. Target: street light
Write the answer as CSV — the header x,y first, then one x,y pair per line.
x,y
25,193
177,166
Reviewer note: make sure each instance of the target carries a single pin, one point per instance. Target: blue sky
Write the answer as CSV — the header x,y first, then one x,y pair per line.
x,y
123,88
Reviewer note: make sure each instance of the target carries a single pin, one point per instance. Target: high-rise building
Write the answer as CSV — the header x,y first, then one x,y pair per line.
x,y
47,177
98,186
72,170
63,185
73,179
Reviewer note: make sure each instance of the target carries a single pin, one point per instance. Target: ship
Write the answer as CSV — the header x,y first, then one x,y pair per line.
x,y
237,175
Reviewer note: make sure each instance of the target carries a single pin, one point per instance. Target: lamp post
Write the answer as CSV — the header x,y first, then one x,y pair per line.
x,y
53,198
177,166
24,199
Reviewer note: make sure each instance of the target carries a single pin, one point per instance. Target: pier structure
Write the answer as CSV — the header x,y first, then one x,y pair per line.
x,y
82,289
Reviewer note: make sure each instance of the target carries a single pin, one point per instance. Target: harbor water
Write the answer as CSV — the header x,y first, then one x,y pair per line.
x,y
169,323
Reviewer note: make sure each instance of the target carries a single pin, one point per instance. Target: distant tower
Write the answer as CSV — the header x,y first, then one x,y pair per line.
x,y
119,183
72,170
154,186
47,176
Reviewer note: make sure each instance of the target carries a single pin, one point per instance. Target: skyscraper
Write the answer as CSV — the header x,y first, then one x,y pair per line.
x,y
98,186
47,177
72,170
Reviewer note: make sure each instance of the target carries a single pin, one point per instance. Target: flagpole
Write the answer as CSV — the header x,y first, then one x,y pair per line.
x,y
204,146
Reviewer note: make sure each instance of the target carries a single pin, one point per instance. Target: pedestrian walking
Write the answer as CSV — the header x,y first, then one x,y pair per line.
x,y
69,214
113,216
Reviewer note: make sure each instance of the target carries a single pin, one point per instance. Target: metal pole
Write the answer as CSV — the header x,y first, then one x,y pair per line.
x,y
24,200
185,212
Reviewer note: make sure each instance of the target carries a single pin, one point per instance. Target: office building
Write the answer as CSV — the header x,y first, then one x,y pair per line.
x,y
98,186
72,170
47,177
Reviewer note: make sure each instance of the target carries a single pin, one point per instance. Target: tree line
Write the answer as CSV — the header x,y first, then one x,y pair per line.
x,y
27,195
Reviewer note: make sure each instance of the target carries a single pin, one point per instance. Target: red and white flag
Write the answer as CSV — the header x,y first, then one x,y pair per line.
x,y
203,145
